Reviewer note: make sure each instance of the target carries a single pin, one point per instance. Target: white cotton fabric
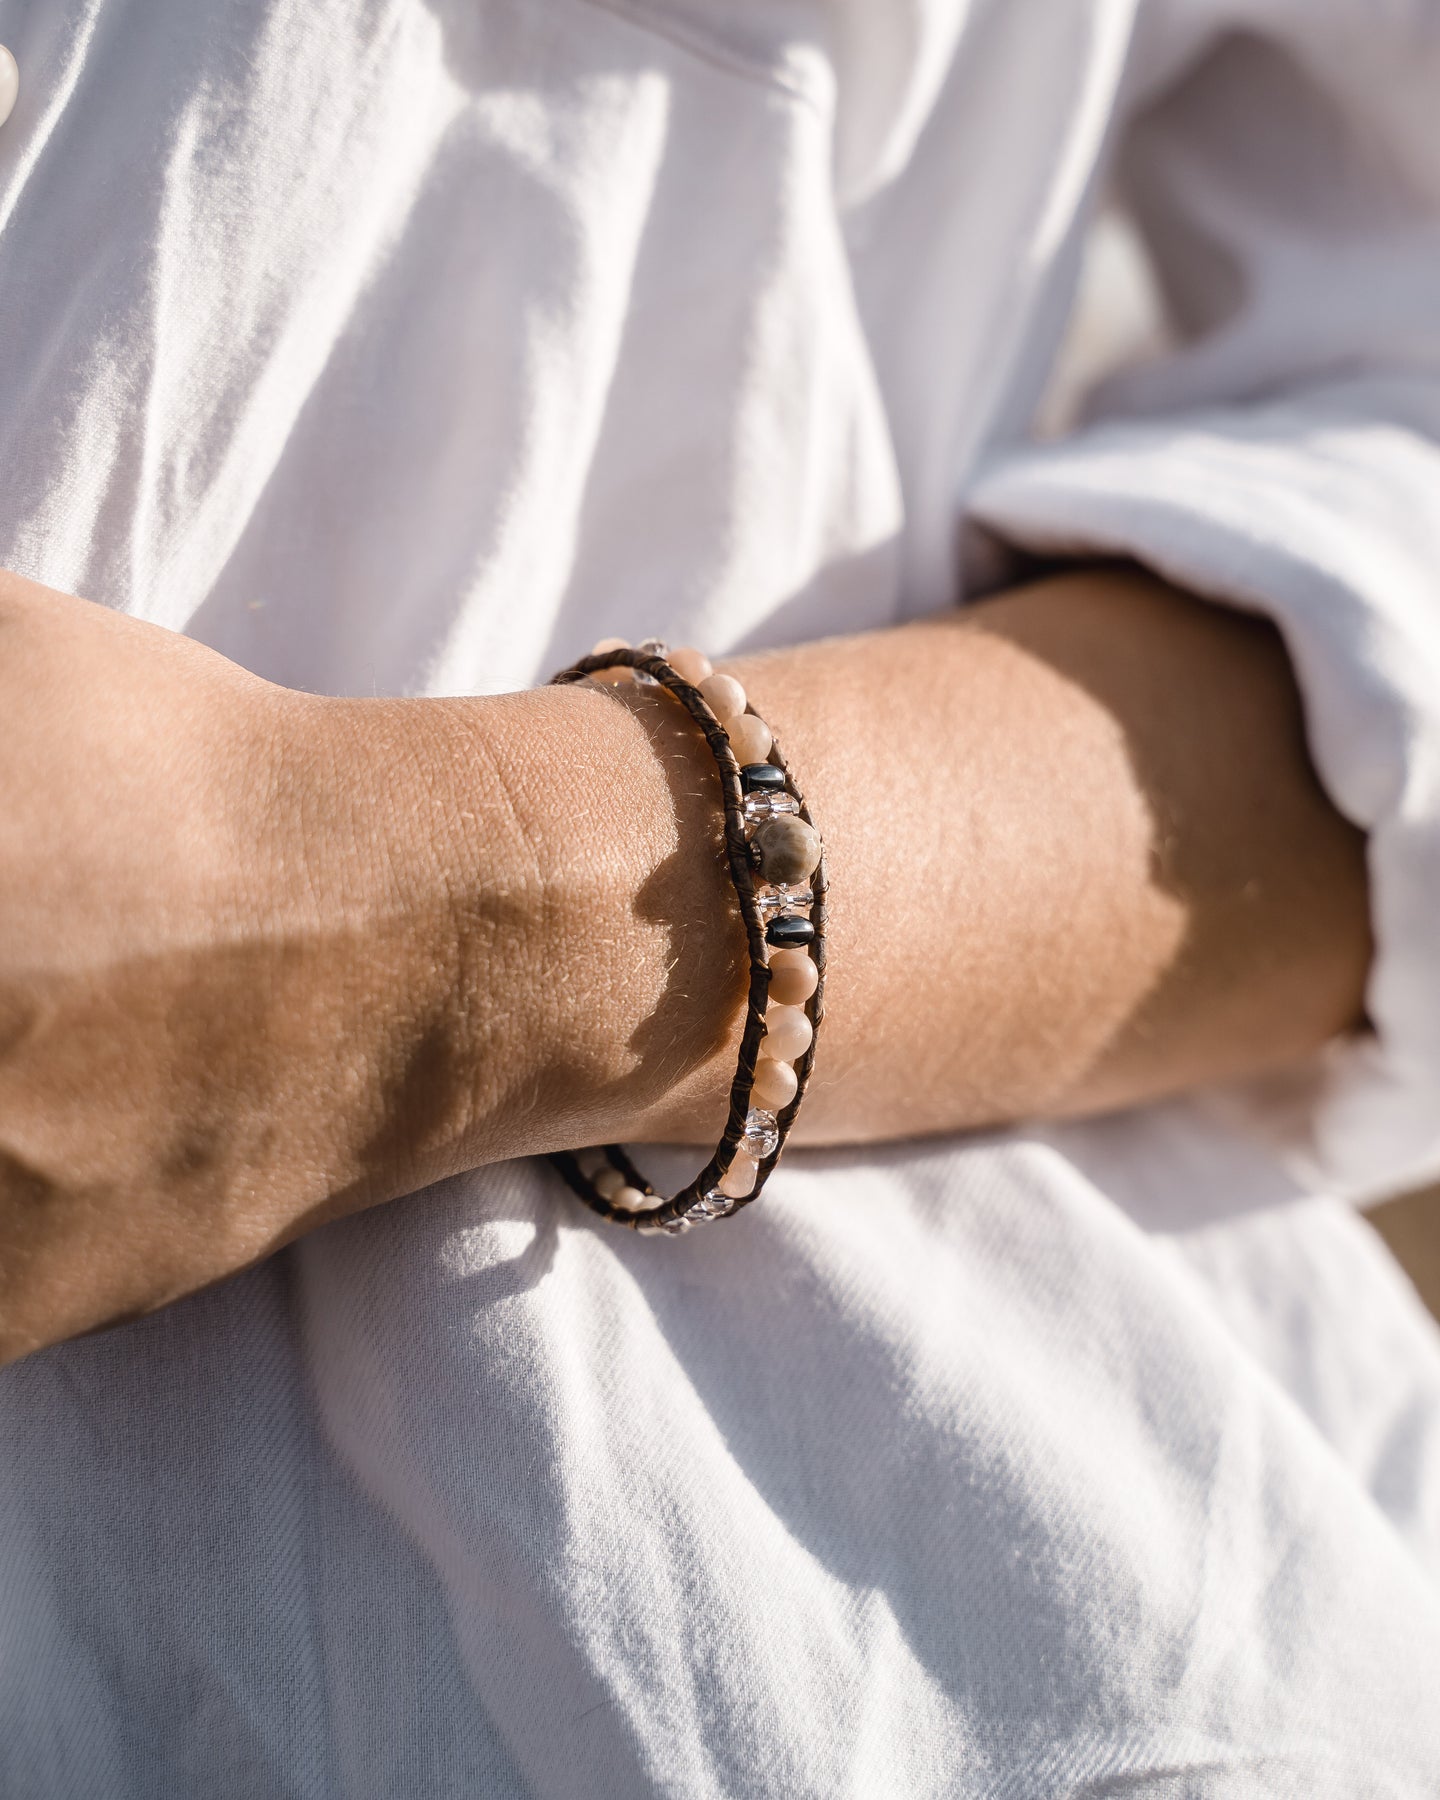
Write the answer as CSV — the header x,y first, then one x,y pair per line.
x,y
411,345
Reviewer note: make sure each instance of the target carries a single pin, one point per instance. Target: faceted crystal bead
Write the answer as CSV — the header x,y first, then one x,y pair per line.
x,y
772,805
715,1203
656,647
782,898
762,1134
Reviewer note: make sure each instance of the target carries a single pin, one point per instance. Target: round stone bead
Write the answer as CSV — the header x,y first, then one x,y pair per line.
x,y
750,738
692,665
608,1183
609,644
787,1033
789,848
774,1086
631,1199
725,696
739,1179
762,778
790,932
791,959
793,978
9,83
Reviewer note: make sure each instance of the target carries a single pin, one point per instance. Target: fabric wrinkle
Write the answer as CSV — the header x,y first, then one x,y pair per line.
x,y
408,347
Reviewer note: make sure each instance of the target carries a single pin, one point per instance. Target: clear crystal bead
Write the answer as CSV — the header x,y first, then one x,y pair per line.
x,y
715,1203
762,1133
780,897
762,806
654,647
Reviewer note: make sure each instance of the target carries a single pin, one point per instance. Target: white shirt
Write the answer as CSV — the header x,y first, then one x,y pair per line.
x,y
411,345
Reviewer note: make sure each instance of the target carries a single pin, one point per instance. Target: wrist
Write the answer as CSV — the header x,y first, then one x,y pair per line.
x,y
541,947
635,932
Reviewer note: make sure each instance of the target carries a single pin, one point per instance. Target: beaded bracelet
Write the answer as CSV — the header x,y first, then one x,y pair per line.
x,y
769,834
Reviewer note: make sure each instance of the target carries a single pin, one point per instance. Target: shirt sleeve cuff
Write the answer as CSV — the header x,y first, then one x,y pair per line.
x,y
1323,513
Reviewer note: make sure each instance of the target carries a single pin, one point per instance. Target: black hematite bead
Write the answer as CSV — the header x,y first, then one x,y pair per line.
x,y
790,933
756,778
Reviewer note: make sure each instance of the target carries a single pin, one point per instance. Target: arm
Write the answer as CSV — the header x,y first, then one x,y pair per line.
x,y
1285,457
267,958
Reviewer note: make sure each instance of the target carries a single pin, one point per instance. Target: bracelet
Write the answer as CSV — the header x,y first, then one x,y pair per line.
x,y
769,835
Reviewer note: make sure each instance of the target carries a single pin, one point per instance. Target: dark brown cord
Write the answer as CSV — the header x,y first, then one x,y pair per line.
x,y
672,1212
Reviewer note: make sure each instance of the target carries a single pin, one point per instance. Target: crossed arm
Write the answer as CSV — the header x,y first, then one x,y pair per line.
x,y
267,958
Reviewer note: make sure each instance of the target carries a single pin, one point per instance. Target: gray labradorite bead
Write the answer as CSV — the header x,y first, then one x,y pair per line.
x,y
790,933
758,778
788,848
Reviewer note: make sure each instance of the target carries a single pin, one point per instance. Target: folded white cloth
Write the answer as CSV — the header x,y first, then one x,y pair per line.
x,y
1287,459
411,345
1320,511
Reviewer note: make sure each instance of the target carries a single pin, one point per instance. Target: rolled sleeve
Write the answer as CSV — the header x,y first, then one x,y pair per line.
x,y
1321,511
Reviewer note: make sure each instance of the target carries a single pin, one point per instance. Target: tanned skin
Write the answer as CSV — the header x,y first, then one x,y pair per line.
x,y
267,958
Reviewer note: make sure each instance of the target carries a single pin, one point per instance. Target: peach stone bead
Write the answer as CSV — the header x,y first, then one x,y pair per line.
x,y
793,978
774,1085
610,677
787,1033
750,738
608,1183
739,1179
631,1199
725,695
694,665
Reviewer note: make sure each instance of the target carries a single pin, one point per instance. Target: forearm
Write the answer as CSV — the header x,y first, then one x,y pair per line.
x,y
268,958
1103,869
1079,859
